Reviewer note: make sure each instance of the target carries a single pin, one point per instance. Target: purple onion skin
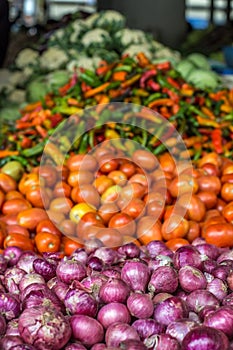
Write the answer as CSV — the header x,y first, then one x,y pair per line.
x,y
129,250
99,346
44,328
114,290
209,265
136,275
140,305
155,248
209,250
207,310
158,298
230,280
218,288
60,289
107,255
23,347
75,346
112,313
45,268
132,344
13,327
78,302
187,255
30,278
228,300
2,325
25,261
158,261
203,338
191,279
162,342
164,279
12,278
118,332
170,310
112,272
9,341
9,306
198,299
180,328
86,329
92,244
55,256
68,271
95,263
79,255
3,264
221,319
221,272
147,328
226,255
12,255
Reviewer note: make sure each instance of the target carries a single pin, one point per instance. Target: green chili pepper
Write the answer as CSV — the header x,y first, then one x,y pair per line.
x,y
163,81
153,97
197,154
107,76
159,149
89,80
30,152
84,143
140,92
128,61
113,85
123,68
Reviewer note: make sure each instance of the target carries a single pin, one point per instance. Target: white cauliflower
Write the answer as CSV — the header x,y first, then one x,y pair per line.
x,y
91,20
53,58
79,28
17,96
27,72
96,37
5,82
58,34
133,50
16,78
110,20
83,62
168,53
26,57
127,37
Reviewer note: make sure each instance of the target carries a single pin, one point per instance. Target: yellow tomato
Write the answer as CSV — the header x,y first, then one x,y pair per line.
x,y
78,210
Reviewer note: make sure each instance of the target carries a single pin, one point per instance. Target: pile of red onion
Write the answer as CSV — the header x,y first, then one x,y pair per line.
x,y
146,298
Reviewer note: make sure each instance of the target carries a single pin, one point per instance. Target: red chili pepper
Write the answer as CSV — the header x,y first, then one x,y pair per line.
x,y
163,65
55,119
153,85
216,136
146,76
85,87
173,83
26,142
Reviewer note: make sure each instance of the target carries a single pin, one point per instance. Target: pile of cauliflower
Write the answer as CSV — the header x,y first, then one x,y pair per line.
x,y
83,43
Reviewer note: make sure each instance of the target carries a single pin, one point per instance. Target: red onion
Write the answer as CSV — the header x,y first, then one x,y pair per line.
x,y
147,328
9,306
155,248
221,272
191,279
136,275
131,344
158,261
114,290
58,287
30,278
107,255
95,263
112,272
75,346
218,288
94,282
170,310
92,244
163,279
230,280
99,346
209,265
87,330
162,342
226,255
39,295
54,256
79,255
187,255
180,328
12,278
158,298
9,341
78,302
112,313
207,310
221,319
140,305
209,250
2,325
198,299
129,250
13,327
118,332
203,338
25,261
45,268
68,271
44,328
12,255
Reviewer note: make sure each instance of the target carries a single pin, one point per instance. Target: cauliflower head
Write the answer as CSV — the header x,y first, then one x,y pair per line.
x,y
126,37
133,50
53,58
110,20
26,57
98,38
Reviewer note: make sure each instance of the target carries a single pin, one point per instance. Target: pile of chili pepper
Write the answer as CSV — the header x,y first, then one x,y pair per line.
x,y
204,118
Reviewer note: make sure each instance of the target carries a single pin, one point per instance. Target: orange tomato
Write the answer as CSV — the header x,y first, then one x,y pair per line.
x,y
61,205
102,183
47,242
29,181
38,197
87,194
174,227
2,198
17,229
167,163
176,243
15,206
67,227
78,210
107,210
30,218
118,176
220,235
62,189
10,219
13,195
18,240
7,183
110,237
130,239
48,226
193,232
227,192
55,216
128,168
80,177
228,212
209,183
3,233
134,208
123,223
49,174
148,229
69,245
83,161
183,184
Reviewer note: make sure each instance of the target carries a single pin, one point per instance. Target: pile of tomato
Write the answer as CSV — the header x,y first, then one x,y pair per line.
x,y
117,200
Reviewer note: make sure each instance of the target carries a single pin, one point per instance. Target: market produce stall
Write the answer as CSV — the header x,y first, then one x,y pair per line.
x,y
116,195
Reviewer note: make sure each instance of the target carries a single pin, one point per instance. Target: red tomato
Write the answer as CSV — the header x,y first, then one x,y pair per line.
x,y
15,206
47,242
48,226
123,223
49,174
30,218
7,183
220,235
110,237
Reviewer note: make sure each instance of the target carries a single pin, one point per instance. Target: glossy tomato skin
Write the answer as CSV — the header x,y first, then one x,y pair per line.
x,y
38,197
227,192
118,177
62,189
195,207
67,227
107,210
70,245
183,184
48,226
194,231
228,212
220,235
61,205
176,243
30,218
47,242
208,198
18,240
145,159
110,237
128,169
174,228
29,181
15,206
7,183
209,183
80,177
89,219
17,229
148,229
123,223
2,198
13,195
83,161
49,173
134,208
87,194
